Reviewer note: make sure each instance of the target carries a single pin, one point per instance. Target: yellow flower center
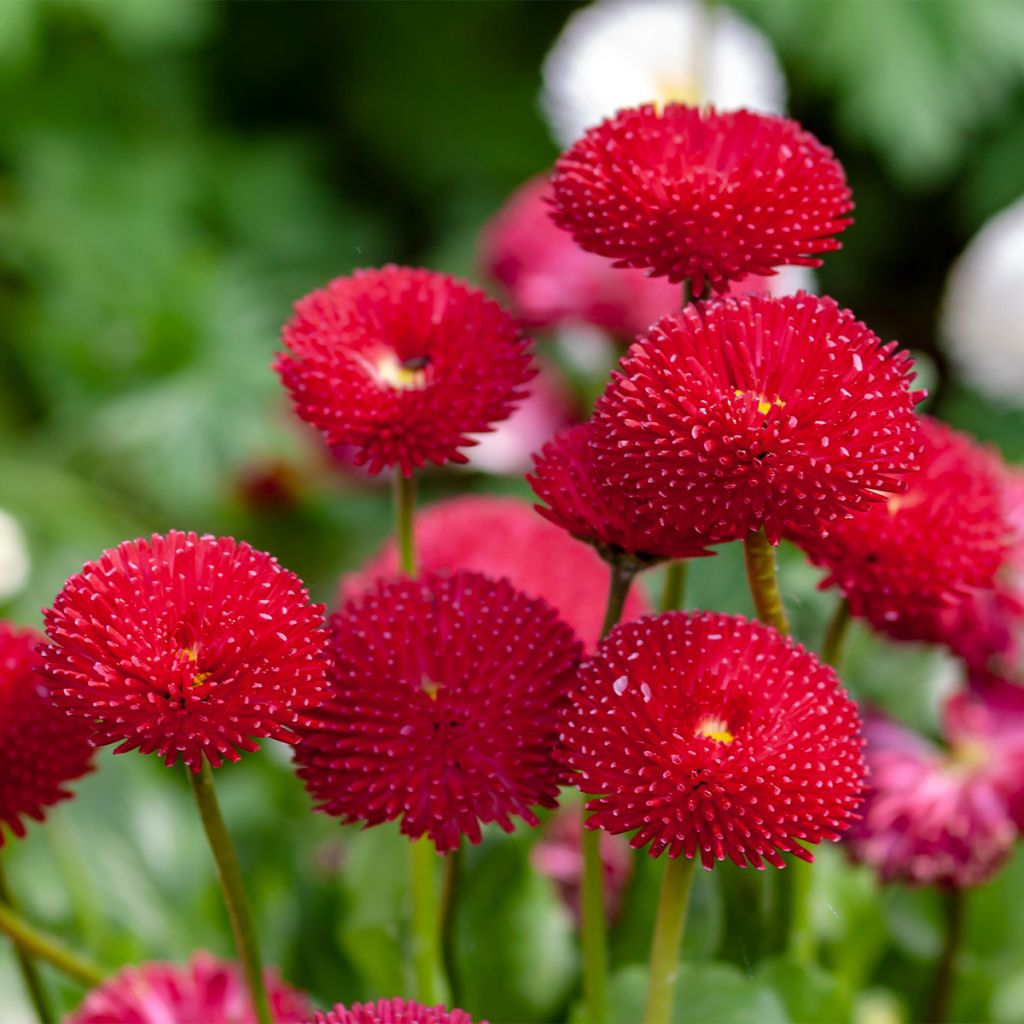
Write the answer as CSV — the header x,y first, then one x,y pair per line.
x,y
764,404
716,729
402,374
430,688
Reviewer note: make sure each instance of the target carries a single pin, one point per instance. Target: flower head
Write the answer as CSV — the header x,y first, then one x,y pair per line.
x,y
758,412
714,737
185,645
41,748
402,365
932,816
905,563
567,478
619,53
204,989
983,312
504,537
701,195
446,694
391,1011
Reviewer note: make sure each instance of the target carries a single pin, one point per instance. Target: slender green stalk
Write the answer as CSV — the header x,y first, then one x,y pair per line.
x,y
231,884
452,877
945,970
43,947
33,983
801,945
835,635
673,590
427,959
764,586
595,927
676,884
405,508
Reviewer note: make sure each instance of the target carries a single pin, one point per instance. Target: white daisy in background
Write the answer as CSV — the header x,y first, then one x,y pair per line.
x,y
982,319
14,560
620,53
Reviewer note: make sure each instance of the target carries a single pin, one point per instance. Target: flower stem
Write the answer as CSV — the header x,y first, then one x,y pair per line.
x,y
231,884
427,960
30,976
835,635
676,884
41,946
405,507
764,586
674,587
945,970
595,927
452,876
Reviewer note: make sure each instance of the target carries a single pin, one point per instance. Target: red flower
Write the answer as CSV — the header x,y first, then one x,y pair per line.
x,y
391,1011
402,365
906,562
757,412
446,693
714,737
935,816
205,990
698,194
187,646
504,537
567,478
41,748
551,280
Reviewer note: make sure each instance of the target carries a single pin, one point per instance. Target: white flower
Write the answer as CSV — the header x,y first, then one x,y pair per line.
x,y
14,560
620,53
983,313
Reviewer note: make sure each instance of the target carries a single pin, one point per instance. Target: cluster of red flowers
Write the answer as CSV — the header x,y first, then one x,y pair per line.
x,y
459,698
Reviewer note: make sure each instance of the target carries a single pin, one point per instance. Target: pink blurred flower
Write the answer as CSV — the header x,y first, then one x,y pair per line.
x,y
937,815
559,856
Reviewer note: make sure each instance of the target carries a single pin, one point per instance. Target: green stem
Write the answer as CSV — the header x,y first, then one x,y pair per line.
x,y
426,925
674,587
30,976
452,876
405,507
595,926
43,947
676,885
802,946
764,586
835,636
231,884
945,970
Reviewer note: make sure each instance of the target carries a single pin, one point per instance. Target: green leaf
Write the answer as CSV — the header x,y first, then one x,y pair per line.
x,y
515,954
809,993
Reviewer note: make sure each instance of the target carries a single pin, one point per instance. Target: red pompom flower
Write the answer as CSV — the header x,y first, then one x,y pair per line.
x,y
754,412
714,737
401,365
691,193
203,991
188,646
391,1011
41,748
907,562
567,478
504,537
446,695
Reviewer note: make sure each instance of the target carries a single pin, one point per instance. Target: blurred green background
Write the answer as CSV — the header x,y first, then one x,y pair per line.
x,y
172,176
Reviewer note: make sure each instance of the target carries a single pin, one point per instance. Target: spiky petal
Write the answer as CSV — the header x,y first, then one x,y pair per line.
x,y
391,1011
714,737
446,695
401,365
742,413
186,646
41,748
695,194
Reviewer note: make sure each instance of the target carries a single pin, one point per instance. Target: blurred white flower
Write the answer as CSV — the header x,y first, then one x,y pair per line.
x,y
620,53
983,313
14,560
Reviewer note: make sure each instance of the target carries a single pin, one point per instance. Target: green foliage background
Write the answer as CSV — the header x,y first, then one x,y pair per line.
x,y
172,176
